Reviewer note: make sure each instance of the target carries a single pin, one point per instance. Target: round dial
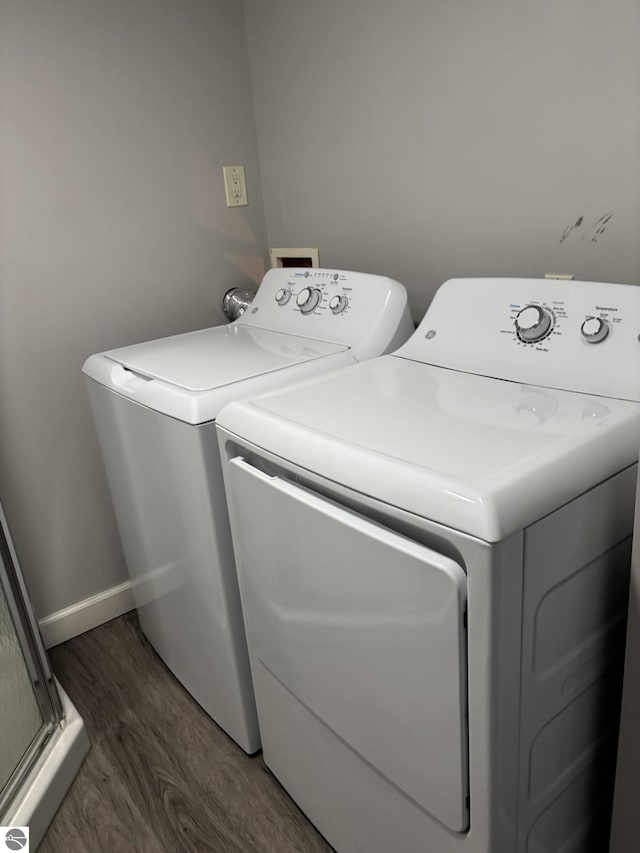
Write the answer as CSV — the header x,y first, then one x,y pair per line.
x,y
533,323
283,296
308,299
338,303
594,330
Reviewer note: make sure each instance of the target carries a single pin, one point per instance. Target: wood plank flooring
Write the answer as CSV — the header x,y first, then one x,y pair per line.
x,y
161,776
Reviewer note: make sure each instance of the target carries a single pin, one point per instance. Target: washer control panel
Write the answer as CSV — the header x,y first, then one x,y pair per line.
x,y
339,303
331,305
576,335
283,295
316,291
308,299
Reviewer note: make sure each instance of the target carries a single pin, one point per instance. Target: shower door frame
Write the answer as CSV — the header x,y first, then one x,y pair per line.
x,y
44,686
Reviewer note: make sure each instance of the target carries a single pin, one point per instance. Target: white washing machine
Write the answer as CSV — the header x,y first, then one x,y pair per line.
x,y
433,551
155,406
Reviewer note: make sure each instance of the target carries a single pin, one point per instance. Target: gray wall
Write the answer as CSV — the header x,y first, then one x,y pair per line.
x,y
116,118
417,139
426,140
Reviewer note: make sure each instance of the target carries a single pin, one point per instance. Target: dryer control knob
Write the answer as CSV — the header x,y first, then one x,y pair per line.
x,y
594,330
283,296
338,303
533,323
308,299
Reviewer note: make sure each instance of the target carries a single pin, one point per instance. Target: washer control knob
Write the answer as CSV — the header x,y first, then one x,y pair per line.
x,y
308,299
283,296
338,303
533,323
594,330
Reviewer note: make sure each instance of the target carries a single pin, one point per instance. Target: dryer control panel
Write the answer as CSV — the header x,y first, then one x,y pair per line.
x,y
351,308
577,335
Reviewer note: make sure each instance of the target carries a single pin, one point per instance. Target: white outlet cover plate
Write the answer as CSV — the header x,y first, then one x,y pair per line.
x,y
235,186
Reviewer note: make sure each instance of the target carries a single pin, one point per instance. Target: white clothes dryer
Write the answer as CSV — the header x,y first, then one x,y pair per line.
x,y
433,551
155,406
624,829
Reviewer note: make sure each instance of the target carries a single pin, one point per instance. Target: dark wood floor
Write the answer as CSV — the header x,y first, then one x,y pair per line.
x,y
161,776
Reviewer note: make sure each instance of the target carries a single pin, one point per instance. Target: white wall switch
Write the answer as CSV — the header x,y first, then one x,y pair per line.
x,y
235,186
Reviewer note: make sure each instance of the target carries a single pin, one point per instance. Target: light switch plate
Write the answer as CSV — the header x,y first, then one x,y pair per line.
x,y
235,186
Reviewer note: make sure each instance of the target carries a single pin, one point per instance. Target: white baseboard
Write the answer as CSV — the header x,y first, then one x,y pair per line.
x,y
87,614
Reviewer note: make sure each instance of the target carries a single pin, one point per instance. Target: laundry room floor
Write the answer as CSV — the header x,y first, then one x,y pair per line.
x,y
160,775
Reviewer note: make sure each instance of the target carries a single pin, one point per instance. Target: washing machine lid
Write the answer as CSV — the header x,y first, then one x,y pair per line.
x,y
210,358
191,377
481,455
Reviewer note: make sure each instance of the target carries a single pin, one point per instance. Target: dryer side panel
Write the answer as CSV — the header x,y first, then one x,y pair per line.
x,y
576,577
361,626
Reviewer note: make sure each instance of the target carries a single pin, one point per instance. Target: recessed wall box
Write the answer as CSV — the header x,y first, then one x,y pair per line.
x,y
308,257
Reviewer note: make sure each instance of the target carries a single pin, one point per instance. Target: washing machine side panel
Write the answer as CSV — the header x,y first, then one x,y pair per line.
x,y
577,563
365,628
166,485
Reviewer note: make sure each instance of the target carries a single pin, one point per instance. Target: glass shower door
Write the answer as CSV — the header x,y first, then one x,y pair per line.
x,y
29,703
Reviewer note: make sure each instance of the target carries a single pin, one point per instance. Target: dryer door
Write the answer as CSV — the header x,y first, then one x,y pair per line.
x,y
364,627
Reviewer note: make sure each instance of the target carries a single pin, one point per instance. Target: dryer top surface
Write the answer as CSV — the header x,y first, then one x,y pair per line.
x,y
481,455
